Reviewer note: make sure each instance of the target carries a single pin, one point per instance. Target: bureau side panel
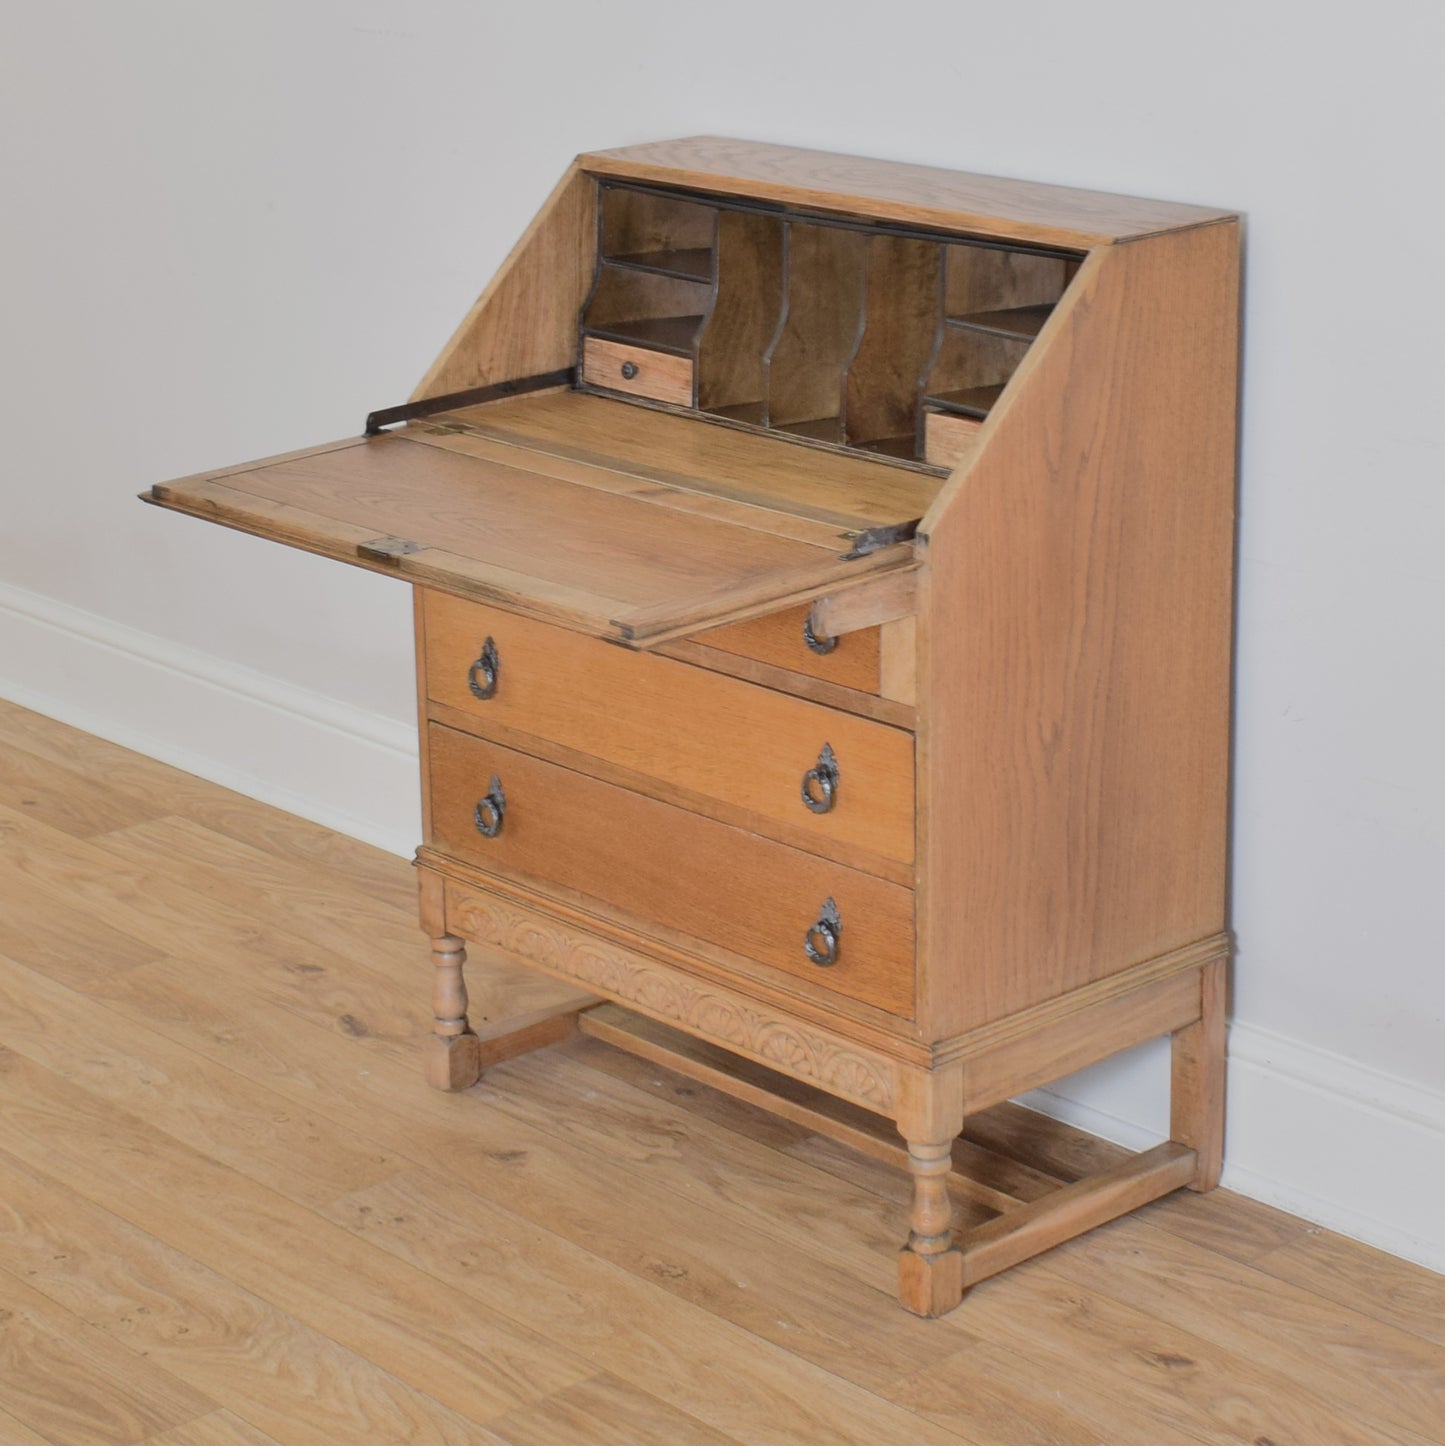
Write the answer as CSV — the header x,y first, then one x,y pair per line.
x,y
1074,646
525,323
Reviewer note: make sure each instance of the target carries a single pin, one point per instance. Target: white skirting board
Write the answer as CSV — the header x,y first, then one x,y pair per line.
x,y
1309,1131
346,768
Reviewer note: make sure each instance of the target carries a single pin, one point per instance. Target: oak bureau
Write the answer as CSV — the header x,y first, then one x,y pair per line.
x,y
823,600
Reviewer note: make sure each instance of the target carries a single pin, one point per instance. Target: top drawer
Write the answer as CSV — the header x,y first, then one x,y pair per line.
x,y
781,639
714,736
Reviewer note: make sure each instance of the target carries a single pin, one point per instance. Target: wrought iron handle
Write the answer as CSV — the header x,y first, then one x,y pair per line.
x,y
820,783
629,370
482,675
817,644
821,941
491,810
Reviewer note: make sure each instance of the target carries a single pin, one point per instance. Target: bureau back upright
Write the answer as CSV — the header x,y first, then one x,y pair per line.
x,y
823,610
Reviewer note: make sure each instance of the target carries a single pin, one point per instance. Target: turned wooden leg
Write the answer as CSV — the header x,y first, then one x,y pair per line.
x,y
453,1053
930,1266
1196,1097
930,1115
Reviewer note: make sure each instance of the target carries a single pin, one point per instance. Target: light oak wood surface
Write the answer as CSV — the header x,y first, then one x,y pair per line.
x,y
778,640
525,321
583,543
888,190
714,737
662,865
1098,603
637,371
231,1213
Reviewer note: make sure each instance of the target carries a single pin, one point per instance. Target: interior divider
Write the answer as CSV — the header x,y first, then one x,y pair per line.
x,y
824,286
884,382
880,339
732,369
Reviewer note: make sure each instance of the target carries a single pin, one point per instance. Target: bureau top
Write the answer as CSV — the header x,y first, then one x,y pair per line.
x,y
716,379
898,192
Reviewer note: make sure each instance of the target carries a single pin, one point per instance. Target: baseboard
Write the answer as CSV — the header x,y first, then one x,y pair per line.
x,y
340,766
1309,1131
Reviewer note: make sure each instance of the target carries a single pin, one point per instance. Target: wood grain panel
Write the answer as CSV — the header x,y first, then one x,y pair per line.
x,y
715,736
948,440
825,271
666,866
605,562
895,191
1073,811
768,471
900,330
525,323
745,314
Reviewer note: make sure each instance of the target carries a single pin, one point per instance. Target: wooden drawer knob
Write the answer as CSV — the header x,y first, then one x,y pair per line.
x,y
820,783
820,943
482,675
491,810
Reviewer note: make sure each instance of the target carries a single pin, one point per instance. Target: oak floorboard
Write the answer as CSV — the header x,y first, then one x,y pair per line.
x,y
76,947
1084,1340
59,796
1354,1366
206,1074
219,1429
996,1392
301,899
687,1094
378,874
464,1355
616,1317
71,1384
1394,1292
605,1412
229,1118
255,1360
16,1433
1233,1225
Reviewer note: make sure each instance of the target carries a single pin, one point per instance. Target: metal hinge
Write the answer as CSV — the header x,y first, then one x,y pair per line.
x,y
387,549
872,539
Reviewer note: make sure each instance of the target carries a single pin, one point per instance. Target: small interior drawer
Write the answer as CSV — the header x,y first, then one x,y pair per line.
x,y
637,371
851,662
714,742
663,865
948,439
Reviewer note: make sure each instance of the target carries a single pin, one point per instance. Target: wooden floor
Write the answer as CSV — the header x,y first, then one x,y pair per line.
x,y
231,1213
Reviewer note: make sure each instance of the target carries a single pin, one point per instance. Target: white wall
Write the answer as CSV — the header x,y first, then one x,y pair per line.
x,y
231,229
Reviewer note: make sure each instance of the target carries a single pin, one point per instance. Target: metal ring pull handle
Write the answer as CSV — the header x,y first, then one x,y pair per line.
x,y
820,783
482,675
821,940
491,810
817,644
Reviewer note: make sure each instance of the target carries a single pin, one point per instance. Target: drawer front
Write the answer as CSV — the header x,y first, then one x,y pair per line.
x,y
713,735
948,439
778,639
662,865
637,371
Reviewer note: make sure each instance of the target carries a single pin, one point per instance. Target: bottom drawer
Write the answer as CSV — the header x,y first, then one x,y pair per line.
x,y
665,866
